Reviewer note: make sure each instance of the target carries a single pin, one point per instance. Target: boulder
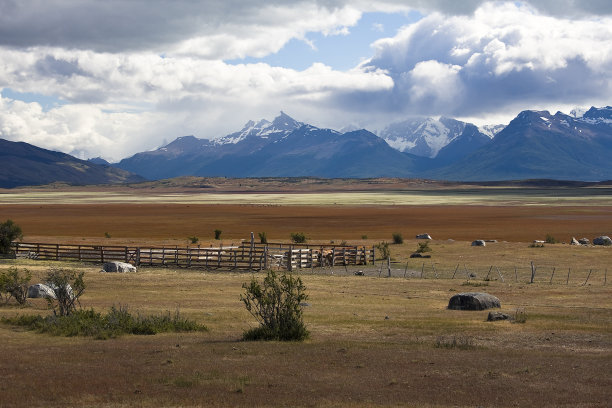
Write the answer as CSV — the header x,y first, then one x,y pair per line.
x,y
479,242
574,241
423,236
495,316
473,301
419,255
120,267
584,241
40,290
603,240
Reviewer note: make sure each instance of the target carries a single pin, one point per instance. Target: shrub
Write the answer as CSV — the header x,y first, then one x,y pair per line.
x,y
397,238
423,247
9,231
15,284
383,250
107,235
520,316
364,237
68,285
193,240
116,322
298,237
218,234
550,239
276,306
263,237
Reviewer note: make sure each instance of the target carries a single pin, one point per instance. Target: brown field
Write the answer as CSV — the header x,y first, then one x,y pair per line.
x,y
374,341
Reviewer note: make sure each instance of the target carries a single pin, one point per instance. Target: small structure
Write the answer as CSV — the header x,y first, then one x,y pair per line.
x,y
423,236
120,267
473,301
479,242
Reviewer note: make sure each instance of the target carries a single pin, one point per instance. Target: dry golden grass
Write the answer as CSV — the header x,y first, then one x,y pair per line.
x,y
373,342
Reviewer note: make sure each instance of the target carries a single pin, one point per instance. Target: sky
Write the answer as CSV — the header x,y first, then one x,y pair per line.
x,y
116,77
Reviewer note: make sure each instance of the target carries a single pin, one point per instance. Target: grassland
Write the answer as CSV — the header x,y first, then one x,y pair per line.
x,y
376,341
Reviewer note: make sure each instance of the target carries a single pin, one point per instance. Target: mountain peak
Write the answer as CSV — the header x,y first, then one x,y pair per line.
x,y
285,122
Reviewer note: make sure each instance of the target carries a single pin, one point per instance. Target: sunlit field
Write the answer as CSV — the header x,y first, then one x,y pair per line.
x,y
375,340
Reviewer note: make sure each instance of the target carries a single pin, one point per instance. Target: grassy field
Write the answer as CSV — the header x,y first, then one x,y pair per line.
x,y
375,340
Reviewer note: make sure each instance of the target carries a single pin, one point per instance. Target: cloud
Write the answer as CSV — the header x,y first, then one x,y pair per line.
x,y
505,55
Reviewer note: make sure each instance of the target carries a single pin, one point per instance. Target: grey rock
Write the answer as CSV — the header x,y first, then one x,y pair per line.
x,y
584,241
495,316
479,242
473,301
40,290
120,267
423,236
603,240
574,241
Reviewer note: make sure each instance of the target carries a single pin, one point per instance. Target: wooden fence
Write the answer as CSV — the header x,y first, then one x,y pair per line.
x,y
246,256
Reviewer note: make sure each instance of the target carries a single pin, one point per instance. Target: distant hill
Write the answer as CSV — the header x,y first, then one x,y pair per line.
x,y
23,164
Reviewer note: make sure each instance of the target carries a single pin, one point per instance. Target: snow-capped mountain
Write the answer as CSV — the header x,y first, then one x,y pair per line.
x,y
427,137
534,145
537,144
263,129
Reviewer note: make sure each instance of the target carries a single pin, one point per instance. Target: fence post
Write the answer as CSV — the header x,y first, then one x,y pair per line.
x,y
57,252
552,275
406,269
533,271
101,254
79,253
500,274
389,266
457,267
266,257
126,254
588,276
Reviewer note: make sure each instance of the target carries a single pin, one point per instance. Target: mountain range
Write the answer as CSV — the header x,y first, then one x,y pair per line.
x,y
534,145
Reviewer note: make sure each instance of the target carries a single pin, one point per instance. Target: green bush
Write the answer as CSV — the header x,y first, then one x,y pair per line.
x,y
383,250
423,247
298,237
275,304
9,231
14,284
107,235
193,240
397,238
218,234
263,237
116,322
68,286
550,239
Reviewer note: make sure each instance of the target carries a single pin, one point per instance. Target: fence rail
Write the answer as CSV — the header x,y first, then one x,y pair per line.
x,y
246,256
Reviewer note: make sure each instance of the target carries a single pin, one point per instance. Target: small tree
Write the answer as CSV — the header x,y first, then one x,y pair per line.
x,y
550,239
14,284
218,234
383,250
423,247
193,240
276,306
9,231
68,285
397,238
263,237
298,237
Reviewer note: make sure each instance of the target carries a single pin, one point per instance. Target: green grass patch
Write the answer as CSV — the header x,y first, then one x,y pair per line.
x,y
116,322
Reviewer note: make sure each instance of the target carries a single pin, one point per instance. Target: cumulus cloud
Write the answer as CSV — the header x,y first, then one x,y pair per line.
x,y
133,73
504,55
